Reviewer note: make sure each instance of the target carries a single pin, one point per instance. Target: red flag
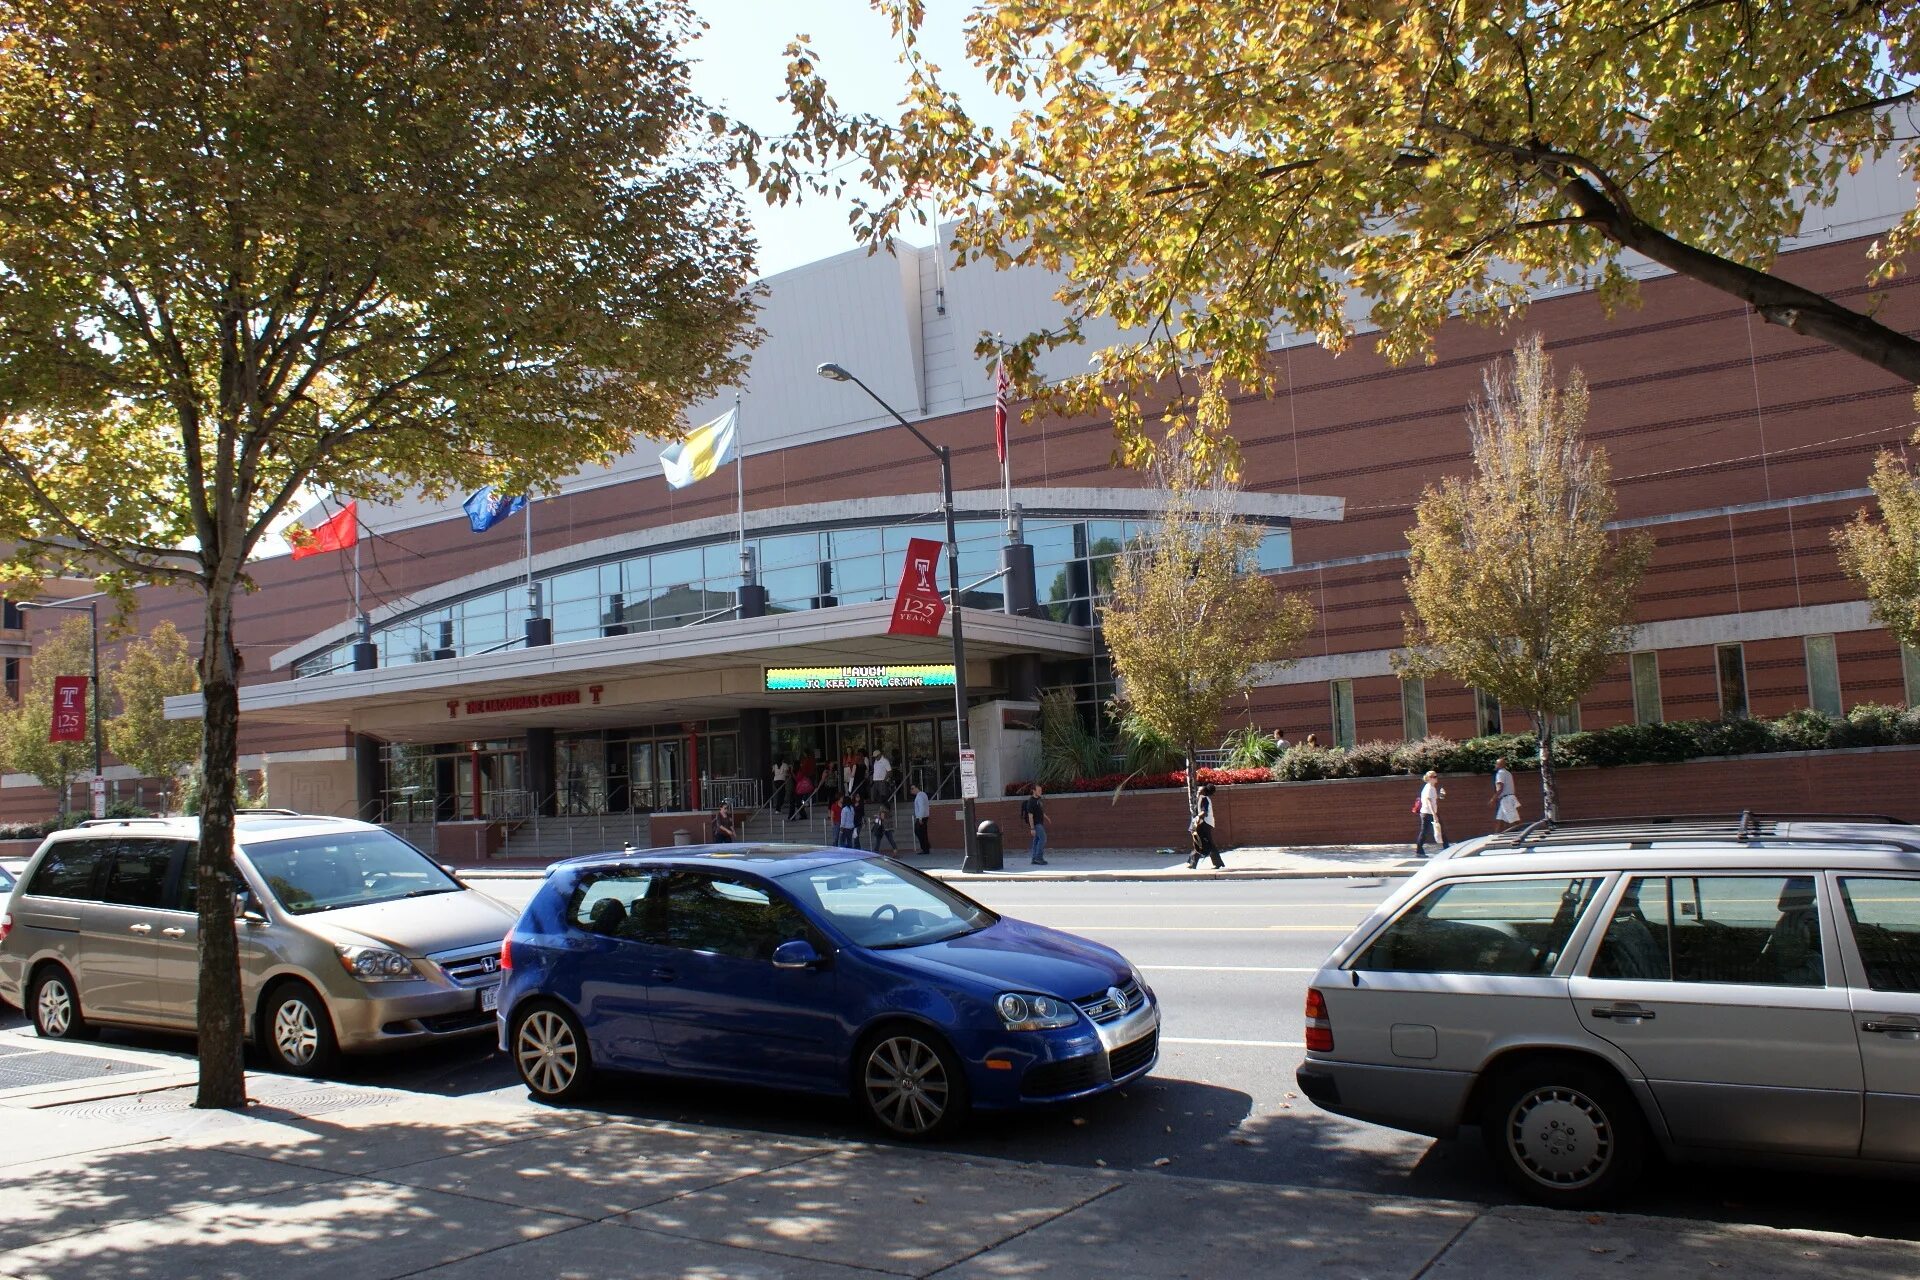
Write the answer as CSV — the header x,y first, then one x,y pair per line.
x,y
1000,411
918,607
69,710
336,534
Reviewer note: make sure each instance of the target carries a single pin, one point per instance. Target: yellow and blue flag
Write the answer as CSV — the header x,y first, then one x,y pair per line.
x,y
702,453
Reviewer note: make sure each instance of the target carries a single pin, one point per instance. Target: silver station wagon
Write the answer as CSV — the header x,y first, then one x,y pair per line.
x,y
350,938
1594,994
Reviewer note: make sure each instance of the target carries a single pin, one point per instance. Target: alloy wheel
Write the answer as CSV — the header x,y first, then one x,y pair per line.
x,y
54,1008
1560,1137
547,1052
295,1033
906,1084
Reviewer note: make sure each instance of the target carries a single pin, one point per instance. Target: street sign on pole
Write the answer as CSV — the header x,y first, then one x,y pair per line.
x,y
99,796
969,780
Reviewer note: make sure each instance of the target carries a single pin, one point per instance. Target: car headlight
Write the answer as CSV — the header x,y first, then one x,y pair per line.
x,y
1139,979
376,964
1034,1013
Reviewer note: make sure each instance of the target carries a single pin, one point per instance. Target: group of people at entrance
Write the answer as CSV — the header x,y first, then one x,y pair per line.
x,y
860,799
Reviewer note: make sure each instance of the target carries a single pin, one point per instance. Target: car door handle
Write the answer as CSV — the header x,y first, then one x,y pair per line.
x,y
1623,1013
1897,1030
173,933
140,928
661,975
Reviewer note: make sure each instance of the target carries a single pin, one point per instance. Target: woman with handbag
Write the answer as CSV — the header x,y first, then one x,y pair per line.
x,y
1428,807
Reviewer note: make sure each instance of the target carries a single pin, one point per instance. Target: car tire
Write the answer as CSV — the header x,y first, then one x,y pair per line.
x,y
549,1050
910,1083
53,1002
1565,1133
296,1031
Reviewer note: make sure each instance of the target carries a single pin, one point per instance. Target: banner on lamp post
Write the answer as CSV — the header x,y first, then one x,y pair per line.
x,y
69,710
918,607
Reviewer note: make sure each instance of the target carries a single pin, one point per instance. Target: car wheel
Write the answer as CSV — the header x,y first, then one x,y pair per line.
x,y
54,1004
550,1052
1565,1133
296,1032
910,1083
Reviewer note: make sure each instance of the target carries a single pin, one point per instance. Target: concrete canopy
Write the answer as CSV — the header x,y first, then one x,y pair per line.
x,y
695,672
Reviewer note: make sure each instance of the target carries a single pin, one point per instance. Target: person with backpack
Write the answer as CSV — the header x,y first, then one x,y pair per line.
x,y
1202,832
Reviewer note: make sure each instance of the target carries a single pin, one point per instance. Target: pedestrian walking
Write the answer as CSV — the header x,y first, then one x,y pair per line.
x,y
723,824
802,797
882,828
1428,807
1033,811
922,810
1202,830
1506,804
857,786
849,823
880,774
782,775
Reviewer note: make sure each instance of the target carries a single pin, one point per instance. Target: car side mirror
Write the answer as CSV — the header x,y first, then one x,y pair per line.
x,y
798,954
453,872
245,908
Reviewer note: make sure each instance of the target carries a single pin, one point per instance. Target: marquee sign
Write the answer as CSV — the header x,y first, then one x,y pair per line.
x,y
936,675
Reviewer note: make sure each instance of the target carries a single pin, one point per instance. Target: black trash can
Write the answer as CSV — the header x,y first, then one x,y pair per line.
x,y
986,854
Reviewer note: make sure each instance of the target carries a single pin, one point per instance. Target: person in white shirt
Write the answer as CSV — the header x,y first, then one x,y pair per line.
x,y
781,772
1203,845
1428,806
878,773
1506,805
922,810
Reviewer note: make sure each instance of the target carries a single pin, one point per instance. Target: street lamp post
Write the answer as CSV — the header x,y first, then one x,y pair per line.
x,y
835,373
92,610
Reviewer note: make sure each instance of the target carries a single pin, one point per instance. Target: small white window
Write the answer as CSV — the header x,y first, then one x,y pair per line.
x,y
1731,661
1646,689
1823,675
1413,709
1486,709
1910,669
1342,712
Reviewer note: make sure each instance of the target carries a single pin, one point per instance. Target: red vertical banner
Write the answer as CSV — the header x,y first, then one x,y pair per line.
x,y
918,606
69,710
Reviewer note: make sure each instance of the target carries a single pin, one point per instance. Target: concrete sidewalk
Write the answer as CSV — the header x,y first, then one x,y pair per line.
x,y
324,1180
1318,862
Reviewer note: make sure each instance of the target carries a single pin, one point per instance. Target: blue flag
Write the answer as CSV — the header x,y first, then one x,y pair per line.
x,y
485,510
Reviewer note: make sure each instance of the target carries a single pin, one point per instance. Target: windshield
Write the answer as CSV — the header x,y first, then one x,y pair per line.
x,y
884,905
330,870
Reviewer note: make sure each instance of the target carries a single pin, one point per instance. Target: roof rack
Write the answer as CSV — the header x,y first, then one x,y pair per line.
x,y
114,822
1746,826
270,813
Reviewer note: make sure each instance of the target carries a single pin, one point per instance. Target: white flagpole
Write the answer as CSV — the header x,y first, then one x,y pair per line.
x,y
1006,461
740,494
533,604
356,570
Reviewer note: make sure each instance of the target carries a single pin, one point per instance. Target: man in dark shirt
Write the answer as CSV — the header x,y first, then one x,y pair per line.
x,y
1034,812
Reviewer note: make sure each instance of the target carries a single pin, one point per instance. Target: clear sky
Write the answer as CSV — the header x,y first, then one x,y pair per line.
x,y
739,67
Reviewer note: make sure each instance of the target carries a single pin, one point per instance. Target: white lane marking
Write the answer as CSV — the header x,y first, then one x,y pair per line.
x,y
1222,968
1237,1044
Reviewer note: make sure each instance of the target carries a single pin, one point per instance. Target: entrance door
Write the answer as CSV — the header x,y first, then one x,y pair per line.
x,y
919,759
640,776
670,774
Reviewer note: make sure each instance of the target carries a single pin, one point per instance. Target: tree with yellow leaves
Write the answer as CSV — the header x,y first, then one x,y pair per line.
x,y
26,727
1884,554
1517,586
1191,617
257,248
147,673
1206,172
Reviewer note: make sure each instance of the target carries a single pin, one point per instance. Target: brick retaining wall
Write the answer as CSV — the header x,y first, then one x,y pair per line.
x,y
1883,780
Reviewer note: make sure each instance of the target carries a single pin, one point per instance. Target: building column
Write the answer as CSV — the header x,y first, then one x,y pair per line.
x,y
540,771
369,780
755,744
445,795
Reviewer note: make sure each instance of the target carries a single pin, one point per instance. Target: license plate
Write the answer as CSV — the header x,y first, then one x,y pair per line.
x,y
490,998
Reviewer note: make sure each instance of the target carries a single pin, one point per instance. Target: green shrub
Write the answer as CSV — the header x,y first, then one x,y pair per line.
x,y
1872,724
1302,763
1250,748
1806,730
1739,737
1372,760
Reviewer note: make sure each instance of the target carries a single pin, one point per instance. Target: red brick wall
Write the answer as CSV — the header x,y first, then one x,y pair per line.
x,y
1883,780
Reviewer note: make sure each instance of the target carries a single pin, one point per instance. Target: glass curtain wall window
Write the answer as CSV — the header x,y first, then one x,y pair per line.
x,y
1646,688
1073,563
1343,729
1413,709
1730,660
1823,675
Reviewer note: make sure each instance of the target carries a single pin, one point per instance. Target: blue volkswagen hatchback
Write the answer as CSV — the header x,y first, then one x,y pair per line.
x,y
823,970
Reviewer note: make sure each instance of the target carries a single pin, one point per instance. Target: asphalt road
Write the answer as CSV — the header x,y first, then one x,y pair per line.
x,y
1230,963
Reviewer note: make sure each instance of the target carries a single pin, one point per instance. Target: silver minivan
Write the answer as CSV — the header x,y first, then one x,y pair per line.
x,y
1593,994
351,940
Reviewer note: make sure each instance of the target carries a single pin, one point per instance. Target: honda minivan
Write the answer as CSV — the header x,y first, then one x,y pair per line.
x,y
351,940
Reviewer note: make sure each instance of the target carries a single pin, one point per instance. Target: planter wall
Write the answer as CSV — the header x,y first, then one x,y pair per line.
x,y
1884,780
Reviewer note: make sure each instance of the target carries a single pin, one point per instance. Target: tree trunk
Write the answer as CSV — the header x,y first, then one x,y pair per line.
x,y
223,1081
1543,735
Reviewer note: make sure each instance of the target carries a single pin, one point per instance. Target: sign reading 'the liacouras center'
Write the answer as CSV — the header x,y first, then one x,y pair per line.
x,y
802,679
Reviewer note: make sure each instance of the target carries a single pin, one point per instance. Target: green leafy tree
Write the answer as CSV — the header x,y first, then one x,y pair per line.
x,y
1884,554
67,651
147,673
1517,586
1203,169
249,250
1190,617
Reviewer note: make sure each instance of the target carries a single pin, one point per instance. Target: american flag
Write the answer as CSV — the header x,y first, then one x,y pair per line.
x,y
1000,410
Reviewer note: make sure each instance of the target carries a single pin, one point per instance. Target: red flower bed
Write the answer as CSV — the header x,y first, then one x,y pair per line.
x,y
1150,781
